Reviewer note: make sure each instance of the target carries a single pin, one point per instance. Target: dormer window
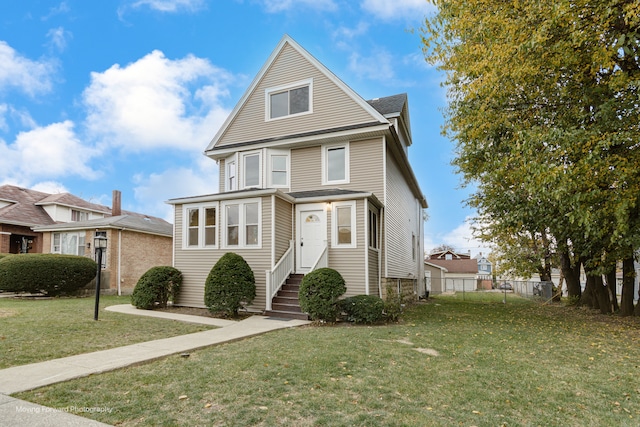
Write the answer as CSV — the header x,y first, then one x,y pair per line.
x,y
77,216
289,100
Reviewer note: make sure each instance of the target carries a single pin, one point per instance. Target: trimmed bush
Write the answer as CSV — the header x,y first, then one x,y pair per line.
x,y
156,287
230,285
51,274
319,293
363,308
4,255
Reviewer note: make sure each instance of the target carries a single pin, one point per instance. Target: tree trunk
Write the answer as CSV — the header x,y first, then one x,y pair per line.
x,y
571,275
612,289
588,298
628,285
602,295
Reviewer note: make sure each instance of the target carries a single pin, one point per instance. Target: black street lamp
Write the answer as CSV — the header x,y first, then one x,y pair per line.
x,y
99,244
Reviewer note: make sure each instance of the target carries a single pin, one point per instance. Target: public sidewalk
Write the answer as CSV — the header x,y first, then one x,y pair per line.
x,y
14,412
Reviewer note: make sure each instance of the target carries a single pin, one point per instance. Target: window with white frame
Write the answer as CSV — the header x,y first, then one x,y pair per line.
x,y
242,223
289,100
68,243
278,169
251,169
201,229
343,230
231,174
79,215
335,164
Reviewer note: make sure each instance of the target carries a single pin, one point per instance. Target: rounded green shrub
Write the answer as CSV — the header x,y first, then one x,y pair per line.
x,y
319,293
51,274
156,287
363,308
230,285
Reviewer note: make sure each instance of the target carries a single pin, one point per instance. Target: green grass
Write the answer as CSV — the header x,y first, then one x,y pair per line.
x,y
451,362
33,330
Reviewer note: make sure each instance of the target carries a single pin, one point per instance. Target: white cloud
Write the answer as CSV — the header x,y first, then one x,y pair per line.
x,y
151,191
46,152
57,10
3,121
58,38
461,238
171,5
155,102
274,6
51,187
397,9
30,77
376,67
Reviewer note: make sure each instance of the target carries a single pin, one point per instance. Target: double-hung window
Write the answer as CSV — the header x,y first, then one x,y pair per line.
x,y
77,216
251,169
231,174
201,229
278,168
373,229
335,164
343,230
289,100
242,224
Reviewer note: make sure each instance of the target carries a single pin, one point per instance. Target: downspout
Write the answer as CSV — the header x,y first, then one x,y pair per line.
x,y
273,231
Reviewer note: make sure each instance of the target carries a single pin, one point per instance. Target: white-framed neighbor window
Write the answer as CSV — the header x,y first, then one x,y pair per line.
x,y
72,243
242,223
200,226
231,173
289,100
278,168
251,169
343,225
104,253
77,215
335,164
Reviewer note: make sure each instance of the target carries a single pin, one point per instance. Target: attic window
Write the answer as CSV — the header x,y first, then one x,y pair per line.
x,y
289,100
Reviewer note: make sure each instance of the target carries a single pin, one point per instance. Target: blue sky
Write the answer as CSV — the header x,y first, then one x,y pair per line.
x,y
126,94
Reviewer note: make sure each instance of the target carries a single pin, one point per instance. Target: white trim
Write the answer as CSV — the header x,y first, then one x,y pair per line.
x,y
325,164
334,225
269,166
201,207
286,88
366,246
273,230
242,222
384,203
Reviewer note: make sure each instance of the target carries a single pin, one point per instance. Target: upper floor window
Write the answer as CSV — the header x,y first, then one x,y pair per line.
x,y
335,164
79,215
289,100
231,174
200,229
278,168
252,171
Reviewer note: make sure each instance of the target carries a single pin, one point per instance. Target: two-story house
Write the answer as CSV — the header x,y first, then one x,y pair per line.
x,y
311,175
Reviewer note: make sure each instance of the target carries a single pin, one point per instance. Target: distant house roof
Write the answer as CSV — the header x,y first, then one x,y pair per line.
x,y
67,199
443,255
143,224
459,266
389,105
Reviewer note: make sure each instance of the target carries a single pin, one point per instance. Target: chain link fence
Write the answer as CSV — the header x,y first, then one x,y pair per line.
x,y
527,289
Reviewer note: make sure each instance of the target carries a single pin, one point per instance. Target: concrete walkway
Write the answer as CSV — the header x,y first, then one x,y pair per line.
x,y
14,412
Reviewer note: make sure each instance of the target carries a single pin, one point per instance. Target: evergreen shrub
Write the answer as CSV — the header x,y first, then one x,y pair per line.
x,y
51,274
363,308
319,293
230,285
156,287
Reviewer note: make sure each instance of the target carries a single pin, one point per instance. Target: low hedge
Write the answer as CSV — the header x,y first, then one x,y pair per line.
x,y
156,287
319,293
363,309
51,274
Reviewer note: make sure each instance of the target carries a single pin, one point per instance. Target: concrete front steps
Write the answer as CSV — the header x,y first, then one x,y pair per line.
x,y
285,304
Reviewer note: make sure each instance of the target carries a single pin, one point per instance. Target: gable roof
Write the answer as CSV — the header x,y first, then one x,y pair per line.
x,y
21,208
376,117
69,200
460,266
139,223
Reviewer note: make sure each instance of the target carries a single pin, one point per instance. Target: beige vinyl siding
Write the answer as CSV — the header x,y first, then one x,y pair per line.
x,y
374,273
331,106
365,166
284,218
401,220
223,175
195,264
349,262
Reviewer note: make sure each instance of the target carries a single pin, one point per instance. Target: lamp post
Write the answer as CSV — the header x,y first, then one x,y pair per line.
x,y
99,244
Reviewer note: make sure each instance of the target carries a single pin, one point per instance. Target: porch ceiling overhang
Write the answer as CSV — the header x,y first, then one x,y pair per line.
x,y
324,136
334,194
230,195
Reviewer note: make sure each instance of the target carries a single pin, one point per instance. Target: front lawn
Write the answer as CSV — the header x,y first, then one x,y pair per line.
x,y
451,361
34,330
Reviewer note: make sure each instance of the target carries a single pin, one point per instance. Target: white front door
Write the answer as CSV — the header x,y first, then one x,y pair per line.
x,y
311,235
